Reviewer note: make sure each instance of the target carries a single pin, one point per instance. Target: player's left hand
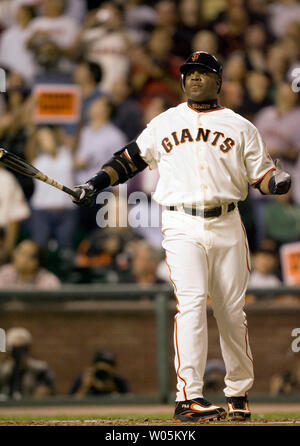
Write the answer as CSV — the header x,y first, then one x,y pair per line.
x,y
87,195
282,179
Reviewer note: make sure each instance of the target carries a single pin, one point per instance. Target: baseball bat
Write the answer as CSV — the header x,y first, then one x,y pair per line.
x,y
19,165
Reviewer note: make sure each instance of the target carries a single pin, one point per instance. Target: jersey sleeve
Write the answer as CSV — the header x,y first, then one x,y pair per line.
x,y
257,160
146,144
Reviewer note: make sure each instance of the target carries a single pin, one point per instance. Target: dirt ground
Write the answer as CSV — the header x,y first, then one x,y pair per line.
x,y
146,415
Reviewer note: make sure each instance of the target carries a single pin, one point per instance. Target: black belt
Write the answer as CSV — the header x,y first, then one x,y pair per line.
x,y
205,213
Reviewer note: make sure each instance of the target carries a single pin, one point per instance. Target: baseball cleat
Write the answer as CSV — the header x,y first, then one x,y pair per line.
x,y
197,410
238,409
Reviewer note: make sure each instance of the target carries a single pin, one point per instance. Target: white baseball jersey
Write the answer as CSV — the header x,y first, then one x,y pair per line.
x,y
206,157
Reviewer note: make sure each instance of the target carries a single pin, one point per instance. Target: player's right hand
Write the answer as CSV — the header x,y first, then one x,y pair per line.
x,y
282,179
86,194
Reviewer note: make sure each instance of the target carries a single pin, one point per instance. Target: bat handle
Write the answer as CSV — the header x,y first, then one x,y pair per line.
x,y
75,194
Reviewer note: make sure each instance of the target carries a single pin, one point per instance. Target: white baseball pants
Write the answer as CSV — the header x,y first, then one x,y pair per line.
x,y
208,257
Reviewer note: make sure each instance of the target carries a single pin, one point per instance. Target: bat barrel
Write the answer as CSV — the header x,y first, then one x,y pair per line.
x,y
19,165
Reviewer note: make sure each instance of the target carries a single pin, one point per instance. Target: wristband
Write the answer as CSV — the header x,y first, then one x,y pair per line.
x,y
100,181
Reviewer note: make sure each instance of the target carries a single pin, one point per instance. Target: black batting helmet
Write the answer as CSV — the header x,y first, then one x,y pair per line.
x,y
204,60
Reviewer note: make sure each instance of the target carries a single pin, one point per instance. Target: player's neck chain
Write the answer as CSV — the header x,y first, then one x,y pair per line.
x,y
204,106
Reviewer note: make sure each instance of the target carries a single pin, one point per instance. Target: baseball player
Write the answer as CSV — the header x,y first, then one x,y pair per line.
x,y
206,155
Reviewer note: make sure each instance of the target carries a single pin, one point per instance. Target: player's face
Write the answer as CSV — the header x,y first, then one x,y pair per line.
x,y
201,84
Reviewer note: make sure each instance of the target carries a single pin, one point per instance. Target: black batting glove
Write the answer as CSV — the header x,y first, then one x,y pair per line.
x,y
87,195
280,182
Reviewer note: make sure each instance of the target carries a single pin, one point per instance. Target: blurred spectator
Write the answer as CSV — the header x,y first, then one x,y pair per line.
x,y
13,210
127,114
13,49
230,27
8,9
277,63
287,383
100,378
22,376
139,19
281,13
53,27
6,14
88,76
206,41
16,125
154,70
214,375
282,219
25,271
265,264
157,104
98,140
235,68
256,95
255,40
103,40
53,213
145,261
101,249
292,31
188,27
231,95
48,57
166,15
257,10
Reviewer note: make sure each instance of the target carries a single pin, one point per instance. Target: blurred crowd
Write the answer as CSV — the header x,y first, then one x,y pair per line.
x,y
125,56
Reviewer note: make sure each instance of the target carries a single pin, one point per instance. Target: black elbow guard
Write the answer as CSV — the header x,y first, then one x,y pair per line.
x,y
127,162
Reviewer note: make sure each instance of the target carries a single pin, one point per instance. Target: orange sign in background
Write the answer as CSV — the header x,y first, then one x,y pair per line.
x,y
290,261
57,103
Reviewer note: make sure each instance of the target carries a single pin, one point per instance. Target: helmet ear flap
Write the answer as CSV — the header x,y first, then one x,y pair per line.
x,y
183,81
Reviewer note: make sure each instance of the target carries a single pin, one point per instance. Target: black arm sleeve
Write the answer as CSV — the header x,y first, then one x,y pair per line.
x,y
127,162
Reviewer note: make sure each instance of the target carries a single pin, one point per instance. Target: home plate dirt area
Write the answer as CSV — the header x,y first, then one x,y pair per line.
x,y
139,415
